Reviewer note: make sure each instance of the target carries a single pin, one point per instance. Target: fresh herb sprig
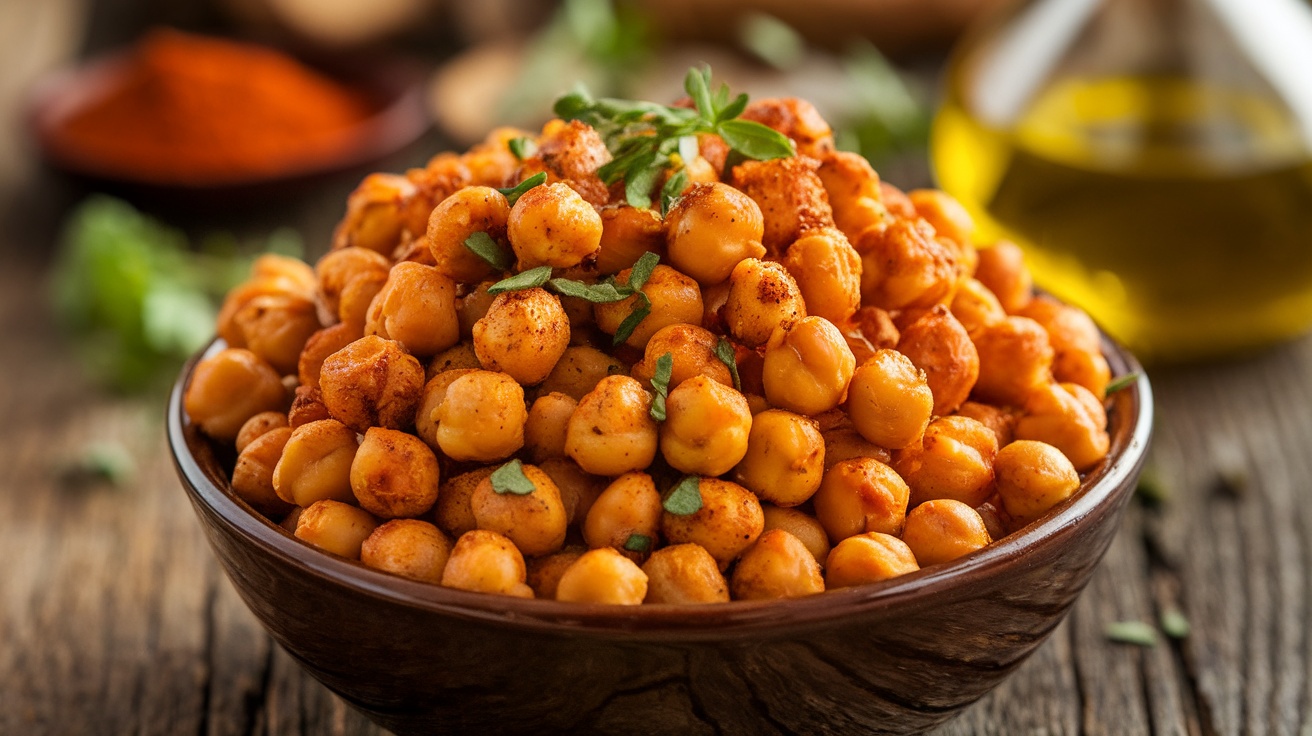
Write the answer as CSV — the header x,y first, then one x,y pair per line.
x,y
643,137
661,383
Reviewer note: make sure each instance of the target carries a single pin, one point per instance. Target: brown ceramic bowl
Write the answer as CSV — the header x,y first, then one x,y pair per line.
x,y
892,657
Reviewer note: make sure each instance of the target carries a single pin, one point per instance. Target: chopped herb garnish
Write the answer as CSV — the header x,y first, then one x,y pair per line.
x,y
482,245
510,478
603,292
525,280
1131,632
724,351
514,193
642,270
630,323
107,461
685,498
523,147
1123,382
637,543
1174,624
661,382
672,190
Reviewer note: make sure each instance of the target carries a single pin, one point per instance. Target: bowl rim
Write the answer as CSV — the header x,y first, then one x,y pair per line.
x,y
1103,489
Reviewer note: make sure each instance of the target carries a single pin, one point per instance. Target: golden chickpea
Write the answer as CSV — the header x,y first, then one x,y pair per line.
x,y
791,197
777,566
265,421
853,189
612,432
544,572
319,346
904,266
714,298
316,464
1015,359
1076,343
307,407
898,203
230,387
417,308
626,233
534,521
348,281
394,474
630,505
453,512
551,225
808,530
544,430
276,328
491,162
408,547
710,229
284,273
486,562
845,442
692,350
944,213
1070,418
467,211
728,522
1032,478
578,490
675,299
889,400
868,558
461,355
706,427
473,306
938,345
433,396
481,418
374,213
785,458
861,495
1002,269
943,530
796,118
523,334
975,307
603,575
335,527
252,477
579,370
998,419
828,273
684,574
953,460
372,382
762,297
807,367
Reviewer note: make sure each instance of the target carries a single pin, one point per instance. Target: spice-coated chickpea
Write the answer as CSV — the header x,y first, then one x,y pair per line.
x,y
785,458
417,308
943,530
372,382
1032,478
481,418
675,299
629,505
432,397
903,266
486,562
252,476
523,334
461,355
853,189
728,522
265,421
976,307
467,211
953,460
706,427
844,442
490,161
937,344
544,430
692,351
710,229
544,572
551,225
473,306
612,432
808,529
307,406
1069,417
684,574
797,119
579,370
868,558
1000,420
276,327
316,464
579,490
534,521
394,474
791,196
777,566
453,512
762,297
1015,359
945,213
861,495
807,367
1002,269
407,547
1076,343
230,387
889,400
319,346
827,270
335,527
349,279
375,213
603,575
626,233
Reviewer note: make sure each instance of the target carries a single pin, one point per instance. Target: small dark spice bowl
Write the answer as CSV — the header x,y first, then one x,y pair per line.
x,y
894,657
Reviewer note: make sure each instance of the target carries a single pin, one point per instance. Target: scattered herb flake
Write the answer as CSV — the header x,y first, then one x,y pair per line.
x,y
1120,383
482,245
637,543
1131,632
672,190
685,497
631,322
604,292
529,279
522,147
1174,623
724,351
107,461
514,193
510,478
642,270
661,382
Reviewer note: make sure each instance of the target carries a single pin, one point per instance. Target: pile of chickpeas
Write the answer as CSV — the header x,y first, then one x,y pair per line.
x,y
852,389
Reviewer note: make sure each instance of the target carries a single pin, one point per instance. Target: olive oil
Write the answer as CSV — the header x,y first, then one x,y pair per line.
x,y
1178,214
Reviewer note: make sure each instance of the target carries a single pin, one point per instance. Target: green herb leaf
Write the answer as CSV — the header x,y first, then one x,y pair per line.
x,y
1131,632
529,279
724,351
639,181
107,461
1174,624
523,147
631,322
1121,383
642,270
754,140
482,245
771,40
697,83
510,478
672,190
661,382
514,193
685,498
637,543
604,292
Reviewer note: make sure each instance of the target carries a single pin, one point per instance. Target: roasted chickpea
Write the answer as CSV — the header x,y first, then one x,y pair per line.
x,y
375,215
1032,478
808,530
372,382
579,490
579,370
1076,344
612,432
265,421
710,229
486,562
307,407
454,512
252,477
551,225
868,558
348,281
728,522
762,297
491,162
943,530
938,345
945,213
674,298
1001,421
417,308
889,400
796,118
844,442
853,189
861,495
1070,418
473,306
394,474
316,464
777,566
288,523
603,575
544,430
790,195
276,327
1015,359
629,506
481,418
692,350
626,233
684,574
461,355
706,427
407,547
785,458
975,307
534,521
953,460
1002,269
433,395
544,572
903,266
808,366
228,388
335,527
319,346
467,211
827,270
523,334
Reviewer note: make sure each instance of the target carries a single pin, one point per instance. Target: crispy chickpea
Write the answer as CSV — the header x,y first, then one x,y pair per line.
x,y
491,162
284,273
544,430
473,306
1002,269
374,216
276,327
461,355
943,530
898,203
1070,418
603,575
938,345
953,460
853,189
335,527
523,334
975,307
1076,344
316,464
1032,478
481,418
710,229
534,521
408,547
544,572
762,297
868,558
827,270
453,512
777,566
728,522
675,299
319,346
348,281
579,490
692,350
252,477
796,118
630,505
230,387
1015,359
626,233
889,400
307,407
785,458
467,211
394,474
433,396
861,495
372,382
904,266
844,442
684,574
706,427
998,419
808,367
417,308
612,432
265,421
579,370
790,195
945,213
808,530
551,225
486,562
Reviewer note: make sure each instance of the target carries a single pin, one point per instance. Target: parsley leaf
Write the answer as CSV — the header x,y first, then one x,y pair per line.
x,y
685,497
661,382
524,280
482,245
724,351
514,193
510,478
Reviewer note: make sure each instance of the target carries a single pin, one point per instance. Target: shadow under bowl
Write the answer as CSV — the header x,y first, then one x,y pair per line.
x,y
894,657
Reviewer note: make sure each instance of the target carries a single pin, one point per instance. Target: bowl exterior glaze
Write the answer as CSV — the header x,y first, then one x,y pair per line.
x,y
895,657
